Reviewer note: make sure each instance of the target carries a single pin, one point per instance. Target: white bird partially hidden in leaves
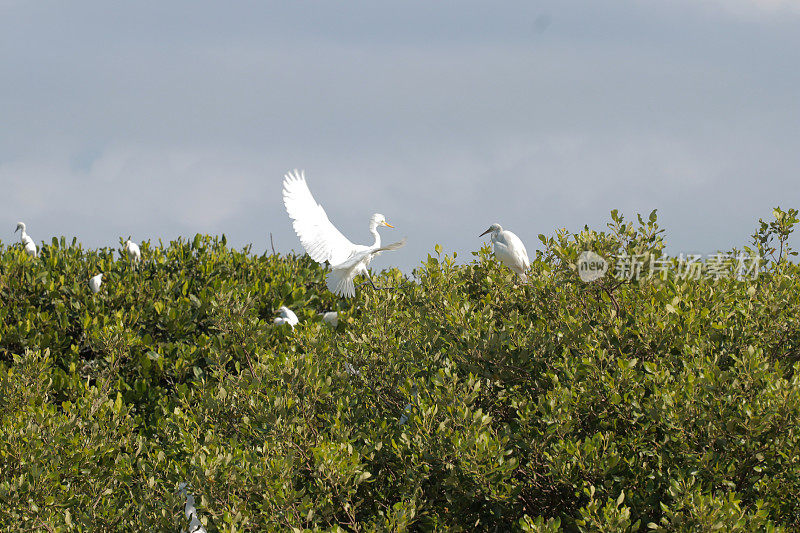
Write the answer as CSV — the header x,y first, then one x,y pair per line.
x,y
95,281
323,242
287,317
331,318
189,509
133,251
509,250
30,246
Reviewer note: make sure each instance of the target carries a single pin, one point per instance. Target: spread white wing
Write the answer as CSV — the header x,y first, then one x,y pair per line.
x,y
321,240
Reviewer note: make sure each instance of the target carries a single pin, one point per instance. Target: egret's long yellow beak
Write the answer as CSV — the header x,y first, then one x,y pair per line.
x,y
387,224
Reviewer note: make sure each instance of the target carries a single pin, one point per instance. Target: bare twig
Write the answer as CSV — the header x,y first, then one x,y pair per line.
x,y
250,364
613,299
272,244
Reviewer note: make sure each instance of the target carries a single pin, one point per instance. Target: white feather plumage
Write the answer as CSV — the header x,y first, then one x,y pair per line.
x,y
287,317
95,282
331,318
134,253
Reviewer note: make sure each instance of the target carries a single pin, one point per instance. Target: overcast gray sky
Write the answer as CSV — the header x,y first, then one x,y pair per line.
x,y
157,119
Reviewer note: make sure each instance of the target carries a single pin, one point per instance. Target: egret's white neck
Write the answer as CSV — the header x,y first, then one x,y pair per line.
x,y
373,228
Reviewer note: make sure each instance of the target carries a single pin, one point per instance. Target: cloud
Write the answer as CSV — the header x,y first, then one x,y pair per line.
x,y
769,5
157,120
754,10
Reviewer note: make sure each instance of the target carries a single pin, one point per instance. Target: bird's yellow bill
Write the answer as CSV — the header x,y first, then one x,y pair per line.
x,y
387,224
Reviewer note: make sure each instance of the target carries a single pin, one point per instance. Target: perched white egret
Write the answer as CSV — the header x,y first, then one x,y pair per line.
x,y
331,318
30,246
287,317
509,250
95,281
323,242
134,253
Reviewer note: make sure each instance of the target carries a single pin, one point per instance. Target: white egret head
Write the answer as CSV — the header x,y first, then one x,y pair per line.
x,y
20,226
492,229
378,220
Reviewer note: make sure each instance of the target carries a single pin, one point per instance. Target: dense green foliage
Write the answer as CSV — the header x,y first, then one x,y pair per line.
x,y
463,400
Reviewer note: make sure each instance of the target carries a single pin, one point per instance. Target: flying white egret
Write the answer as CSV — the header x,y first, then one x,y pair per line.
x,y
94,283
30,246
323,242
331,318
287,317
134,253
509,250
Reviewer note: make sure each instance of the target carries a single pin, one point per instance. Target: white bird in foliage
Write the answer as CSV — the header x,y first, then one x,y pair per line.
x,y
509,250
189,509
30,246
134,253
287,317
95,281
323,242
331,318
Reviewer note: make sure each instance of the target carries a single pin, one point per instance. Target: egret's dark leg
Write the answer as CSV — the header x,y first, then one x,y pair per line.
x,y
369,280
